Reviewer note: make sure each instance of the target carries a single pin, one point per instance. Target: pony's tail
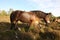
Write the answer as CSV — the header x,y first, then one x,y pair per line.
x,y
11,20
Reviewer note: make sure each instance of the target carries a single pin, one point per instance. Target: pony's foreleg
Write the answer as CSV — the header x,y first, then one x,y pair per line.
x,y
33,24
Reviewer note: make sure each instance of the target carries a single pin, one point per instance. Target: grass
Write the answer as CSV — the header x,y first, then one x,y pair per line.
x,y
50,32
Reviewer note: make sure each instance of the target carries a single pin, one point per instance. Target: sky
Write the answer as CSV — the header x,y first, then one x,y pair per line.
x,y
52,6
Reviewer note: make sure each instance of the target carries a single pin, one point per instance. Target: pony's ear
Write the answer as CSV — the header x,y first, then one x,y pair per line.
x,y
49,13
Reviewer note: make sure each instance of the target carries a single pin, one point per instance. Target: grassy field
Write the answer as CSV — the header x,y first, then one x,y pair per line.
x,y
51,32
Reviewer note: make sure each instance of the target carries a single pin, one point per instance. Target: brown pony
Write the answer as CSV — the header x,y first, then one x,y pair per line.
x,y
25,17
41,14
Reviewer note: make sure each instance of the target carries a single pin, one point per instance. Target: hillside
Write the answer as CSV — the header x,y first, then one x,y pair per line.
x,y
50,32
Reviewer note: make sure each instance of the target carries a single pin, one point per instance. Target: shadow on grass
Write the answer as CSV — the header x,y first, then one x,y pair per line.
x,y
11,35
6,26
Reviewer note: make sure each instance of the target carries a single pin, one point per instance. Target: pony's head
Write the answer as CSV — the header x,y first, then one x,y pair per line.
x,y
48,17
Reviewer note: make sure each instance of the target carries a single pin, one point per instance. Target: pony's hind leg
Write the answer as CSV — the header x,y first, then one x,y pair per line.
x,y
13,25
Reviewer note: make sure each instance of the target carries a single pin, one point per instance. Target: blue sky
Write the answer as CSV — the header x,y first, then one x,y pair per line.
x,y
27,5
